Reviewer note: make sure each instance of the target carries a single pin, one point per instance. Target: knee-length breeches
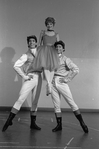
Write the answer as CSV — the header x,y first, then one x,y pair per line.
x,y
59,89
27,87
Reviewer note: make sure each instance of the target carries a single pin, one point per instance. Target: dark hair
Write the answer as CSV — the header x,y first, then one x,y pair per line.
x,y
33,37
61,43
49,19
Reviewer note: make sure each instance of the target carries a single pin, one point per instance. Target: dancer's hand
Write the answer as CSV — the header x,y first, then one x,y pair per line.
x,y
64,80
30,77
26,78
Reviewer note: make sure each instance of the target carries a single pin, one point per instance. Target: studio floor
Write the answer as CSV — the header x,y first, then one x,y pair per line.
x,y
20,136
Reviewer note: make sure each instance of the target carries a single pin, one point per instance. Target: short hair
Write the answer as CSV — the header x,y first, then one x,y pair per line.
x,y
60,42
33,37
50,19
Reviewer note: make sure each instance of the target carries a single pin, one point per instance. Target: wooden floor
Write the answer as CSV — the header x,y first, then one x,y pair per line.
x,y
19,135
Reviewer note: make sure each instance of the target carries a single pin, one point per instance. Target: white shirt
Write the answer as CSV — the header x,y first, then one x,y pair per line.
x,y
67,68
21,61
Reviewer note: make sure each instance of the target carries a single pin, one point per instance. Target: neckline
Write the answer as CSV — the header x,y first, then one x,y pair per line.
x,y
49,35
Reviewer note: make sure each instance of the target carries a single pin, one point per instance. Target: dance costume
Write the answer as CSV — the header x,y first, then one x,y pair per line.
x,y
32,84
67,70
29,85
47,57
66,65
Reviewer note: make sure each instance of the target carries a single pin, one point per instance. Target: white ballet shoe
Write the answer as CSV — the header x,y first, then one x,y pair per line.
x,y
48,89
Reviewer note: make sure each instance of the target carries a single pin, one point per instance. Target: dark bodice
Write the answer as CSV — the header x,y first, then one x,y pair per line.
x,y
49,40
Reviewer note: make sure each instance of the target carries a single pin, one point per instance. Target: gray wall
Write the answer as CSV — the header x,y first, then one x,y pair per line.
x,y
77,22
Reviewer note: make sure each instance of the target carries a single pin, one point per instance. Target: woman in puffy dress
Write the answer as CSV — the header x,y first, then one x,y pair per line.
x,y
47,57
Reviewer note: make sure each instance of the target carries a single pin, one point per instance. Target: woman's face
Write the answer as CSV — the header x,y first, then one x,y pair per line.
x,y
50,26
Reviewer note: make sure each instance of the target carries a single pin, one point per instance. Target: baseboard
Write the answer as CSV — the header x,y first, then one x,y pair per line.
x,y
41,109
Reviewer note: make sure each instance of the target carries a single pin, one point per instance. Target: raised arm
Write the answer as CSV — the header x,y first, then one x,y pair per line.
x,y
57,37
41,38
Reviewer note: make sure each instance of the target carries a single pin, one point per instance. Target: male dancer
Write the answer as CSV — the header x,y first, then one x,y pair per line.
x,y
32,83
65,73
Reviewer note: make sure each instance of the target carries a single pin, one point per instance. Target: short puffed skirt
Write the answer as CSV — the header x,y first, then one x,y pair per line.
x,y
47,58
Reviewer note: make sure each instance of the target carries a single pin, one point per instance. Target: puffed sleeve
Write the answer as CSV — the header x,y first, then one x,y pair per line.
x,y
73,69
19,63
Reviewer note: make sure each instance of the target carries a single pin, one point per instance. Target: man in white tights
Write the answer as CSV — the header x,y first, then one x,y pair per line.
x,y
32,83
65,73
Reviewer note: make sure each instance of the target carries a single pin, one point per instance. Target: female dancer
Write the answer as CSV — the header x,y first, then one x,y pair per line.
x,y
47,57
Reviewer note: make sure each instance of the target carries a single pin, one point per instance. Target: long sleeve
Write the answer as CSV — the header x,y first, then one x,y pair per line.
x,y
73,69
19,63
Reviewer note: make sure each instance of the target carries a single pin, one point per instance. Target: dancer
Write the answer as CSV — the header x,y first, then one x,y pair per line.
x,y
32,83
65,73
47,57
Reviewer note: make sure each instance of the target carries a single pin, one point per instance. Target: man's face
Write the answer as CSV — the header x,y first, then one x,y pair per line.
x,y
59,49
32,43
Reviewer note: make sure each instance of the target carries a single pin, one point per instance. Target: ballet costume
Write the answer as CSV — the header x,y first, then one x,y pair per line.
x,y
47,57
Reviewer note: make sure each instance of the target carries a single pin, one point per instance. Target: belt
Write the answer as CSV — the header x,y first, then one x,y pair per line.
x,y
48,44
35,72
58,75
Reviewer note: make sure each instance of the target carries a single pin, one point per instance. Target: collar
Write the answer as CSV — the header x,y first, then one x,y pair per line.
x,y
33,51
61,56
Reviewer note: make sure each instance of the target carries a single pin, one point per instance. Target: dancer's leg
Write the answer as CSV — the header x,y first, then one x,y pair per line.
x,y
34,99
25,90
47,76
51,76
